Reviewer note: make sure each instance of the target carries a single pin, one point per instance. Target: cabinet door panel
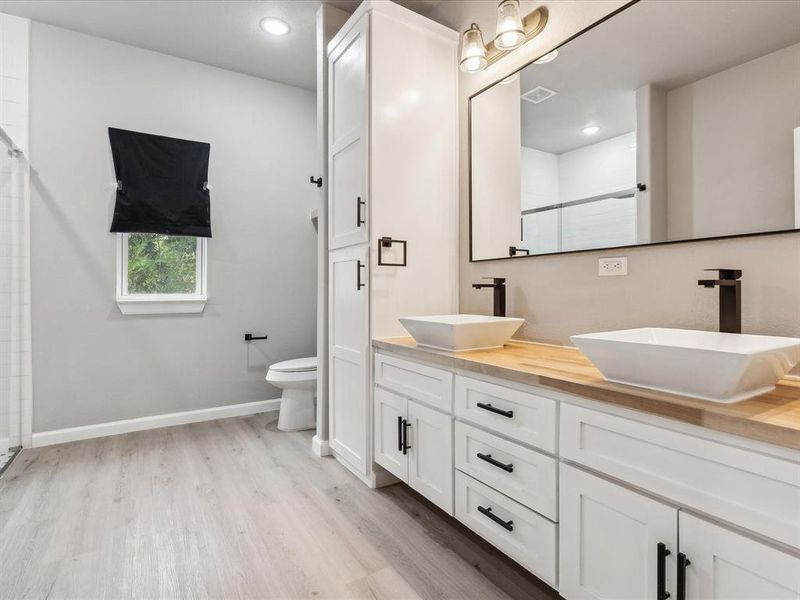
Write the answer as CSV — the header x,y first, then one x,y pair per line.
x,y
347,135
609,539
389,416
347,72
430,459
729,566
349,356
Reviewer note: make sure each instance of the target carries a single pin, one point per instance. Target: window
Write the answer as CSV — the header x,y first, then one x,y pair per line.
x,y
158,273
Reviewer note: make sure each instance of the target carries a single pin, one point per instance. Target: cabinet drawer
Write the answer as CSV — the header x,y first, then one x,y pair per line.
x,y
749,489
420,382
527,476
532,538
521,415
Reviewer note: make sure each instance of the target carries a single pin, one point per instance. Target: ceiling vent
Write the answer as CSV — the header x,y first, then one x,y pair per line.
x,y
538,94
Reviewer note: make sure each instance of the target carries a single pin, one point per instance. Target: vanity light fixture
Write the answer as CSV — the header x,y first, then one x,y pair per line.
x,y
473,52
549,57
591,129
274,25
510,33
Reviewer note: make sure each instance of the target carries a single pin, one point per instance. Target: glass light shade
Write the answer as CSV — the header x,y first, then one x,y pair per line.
x,y
510,79
549,57
510,33
473,52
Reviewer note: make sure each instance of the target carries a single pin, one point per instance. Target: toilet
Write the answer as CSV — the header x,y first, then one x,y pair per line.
x,y
298,380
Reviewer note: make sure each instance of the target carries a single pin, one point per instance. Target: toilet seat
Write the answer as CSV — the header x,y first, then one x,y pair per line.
x,y
296,365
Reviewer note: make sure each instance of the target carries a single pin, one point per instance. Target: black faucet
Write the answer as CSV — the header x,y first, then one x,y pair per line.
x,y
499,285
730,298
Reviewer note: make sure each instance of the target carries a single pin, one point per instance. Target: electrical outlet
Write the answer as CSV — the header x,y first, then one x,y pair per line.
x,y
611,267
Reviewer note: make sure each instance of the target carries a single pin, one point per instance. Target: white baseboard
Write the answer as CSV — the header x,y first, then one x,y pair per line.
x,y
320,447
85,432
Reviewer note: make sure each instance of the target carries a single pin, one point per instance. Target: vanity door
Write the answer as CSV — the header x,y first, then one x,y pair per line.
x,y
430,454
614,542
349,355
717,564
389,428
347,134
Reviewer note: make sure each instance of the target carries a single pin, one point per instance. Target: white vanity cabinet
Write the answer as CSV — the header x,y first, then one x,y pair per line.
x,y
617,543
415,444
599,501
413,427
392,168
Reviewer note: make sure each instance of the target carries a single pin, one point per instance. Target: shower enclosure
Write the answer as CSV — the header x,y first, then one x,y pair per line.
x,y
15,338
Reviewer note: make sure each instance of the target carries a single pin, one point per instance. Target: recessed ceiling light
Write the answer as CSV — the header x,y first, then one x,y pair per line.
x,y
549,57
274,26
591,130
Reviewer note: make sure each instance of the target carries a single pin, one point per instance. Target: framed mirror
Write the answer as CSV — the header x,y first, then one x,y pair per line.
x,y
666,122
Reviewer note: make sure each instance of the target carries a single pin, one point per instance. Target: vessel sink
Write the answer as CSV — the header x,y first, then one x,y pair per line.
x,y
720,367
461,332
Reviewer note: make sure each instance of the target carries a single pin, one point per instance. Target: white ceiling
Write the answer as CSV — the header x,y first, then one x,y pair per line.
x,y
224,34
668,44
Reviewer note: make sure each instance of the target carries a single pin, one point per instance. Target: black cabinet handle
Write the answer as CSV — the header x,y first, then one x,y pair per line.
x,y
507,525
488,458
359,204
359,285
497,411
683,562
399,434
661,571
317,182
406,447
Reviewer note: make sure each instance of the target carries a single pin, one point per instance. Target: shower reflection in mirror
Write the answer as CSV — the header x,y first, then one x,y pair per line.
x,y
643,130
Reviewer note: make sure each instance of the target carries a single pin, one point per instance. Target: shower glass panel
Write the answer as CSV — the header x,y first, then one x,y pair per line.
x,y
15,360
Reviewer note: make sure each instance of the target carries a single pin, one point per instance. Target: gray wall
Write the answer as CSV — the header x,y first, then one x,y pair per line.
x,y
562,295
730,148
91,364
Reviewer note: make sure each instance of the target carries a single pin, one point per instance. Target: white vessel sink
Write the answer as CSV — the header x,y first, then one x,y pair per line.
x,y
721,367
461,332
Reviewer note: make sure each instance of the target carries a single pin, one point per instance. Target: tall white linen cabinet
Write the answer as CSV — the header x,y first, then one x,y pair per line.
x,y
393,173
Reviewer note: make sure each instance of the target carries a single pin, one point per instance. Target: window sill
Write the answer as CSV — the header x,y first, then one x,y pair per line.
x,y
161,305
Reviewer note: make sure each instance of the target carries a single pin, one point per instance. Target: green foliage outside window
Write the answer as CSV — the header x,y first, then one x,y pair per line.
x,y
161,264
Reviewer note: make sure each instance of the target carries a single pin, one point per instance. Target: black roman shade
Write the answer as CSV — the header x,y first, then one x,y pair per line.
x,y
161,184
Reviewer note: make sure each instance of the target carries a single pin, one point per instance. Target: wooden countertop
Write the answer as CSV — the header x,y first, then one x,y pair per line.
x,y
772,417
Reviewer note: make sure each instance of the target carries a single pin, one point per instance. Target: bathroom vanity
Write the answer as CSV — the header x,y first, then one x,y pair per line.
x,y
602,490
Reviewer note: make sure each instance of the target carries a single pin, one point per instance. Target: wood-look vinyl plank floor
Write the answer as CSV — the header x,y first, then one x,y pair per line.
x,y
230,509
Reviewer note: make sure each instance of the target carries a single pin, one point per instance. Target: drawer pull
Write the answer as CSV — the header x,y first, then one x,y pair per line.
x,y
497,411
661,568
507,525
488,458
683,562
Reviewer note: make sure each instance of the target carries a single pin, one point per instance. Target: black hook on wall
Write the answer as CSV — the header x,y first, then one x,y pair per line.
x,y
317,181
